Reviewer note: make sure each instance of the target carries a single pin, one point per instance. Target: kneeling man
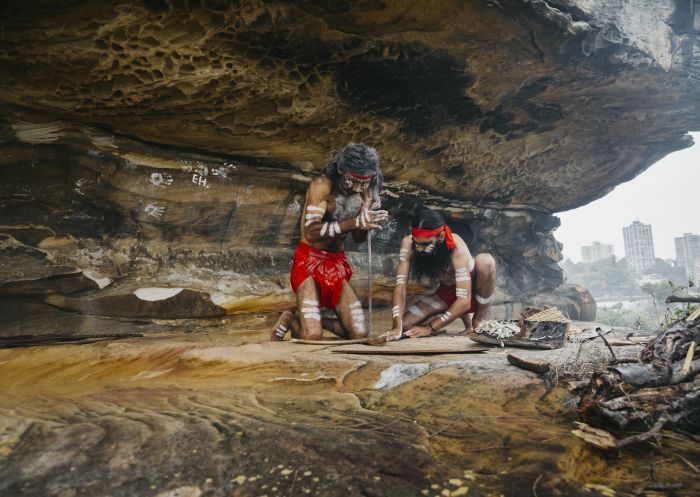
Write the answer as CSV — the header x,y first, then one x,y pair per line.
x,y
342,200
432,251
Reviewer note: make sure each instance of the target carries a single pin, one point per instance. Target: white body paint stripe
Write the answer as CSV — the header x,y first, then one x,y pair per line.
x,y
463,278
324,228
415,310
434,302
315,208
311,302
482,300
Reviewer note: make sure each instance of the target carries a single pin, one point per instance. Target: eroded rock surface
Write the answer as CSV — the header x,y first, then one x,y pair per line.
x,y
170,140
225,413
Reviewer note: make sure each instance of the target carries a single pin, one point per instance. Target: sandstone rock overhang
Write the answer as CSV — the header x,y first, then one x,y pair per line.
x,y
529,102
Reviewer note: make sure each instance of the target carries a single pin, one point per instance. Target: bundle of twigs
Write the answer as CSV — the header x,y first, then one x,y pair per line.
x,y
498,329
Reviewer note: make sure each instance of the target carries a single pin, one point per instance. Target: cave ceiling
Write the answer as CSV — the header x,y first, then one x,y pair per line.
x,y
543,104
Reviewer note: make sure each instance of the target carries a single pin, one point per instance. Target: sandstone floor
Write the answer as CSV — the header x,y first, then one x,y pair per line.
x,y
223,412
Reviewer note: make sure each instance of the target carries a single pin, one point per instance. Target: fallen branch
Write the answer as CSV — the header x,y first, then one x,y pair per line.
x,y
534,366
687,299
643,437
607,344
689,358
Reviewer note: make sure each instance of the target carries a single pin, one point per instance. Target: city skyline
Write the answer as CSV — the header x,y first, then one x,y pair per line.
x,y
660,196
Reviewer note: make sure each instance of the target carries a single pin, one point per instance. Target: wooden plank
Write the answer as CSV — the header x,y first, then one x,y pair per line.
x,y
369,341
427,351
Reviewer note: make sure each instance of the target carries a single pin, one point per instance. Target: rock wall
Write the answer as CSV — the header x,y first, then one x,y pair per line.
x,y
169,143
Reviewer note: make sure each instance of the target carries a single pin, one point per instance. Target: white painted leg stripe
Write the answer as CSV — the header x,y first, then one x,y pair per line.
x,y
482,300
463,278
415,310
445,316
311,313
324,228
355,304
315,208
434,302
311,302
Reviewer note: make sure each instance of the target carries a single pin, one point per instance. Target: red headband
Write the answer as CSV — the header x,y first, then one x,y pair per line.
x,y
449,240
359,176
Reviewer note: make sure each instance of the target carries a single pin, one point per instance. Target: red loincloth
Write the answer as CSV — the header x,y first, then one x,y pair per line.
x,y
329,270
448,293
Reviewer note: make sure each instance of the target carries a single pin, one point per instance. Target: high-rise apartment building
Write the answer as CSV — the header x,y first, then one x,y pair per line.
x,y
596,252
688,254
639,246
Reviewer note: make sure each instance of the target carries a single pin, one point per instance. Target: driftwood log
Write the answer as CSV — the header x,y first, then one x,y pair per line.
x,y
681,299
662,390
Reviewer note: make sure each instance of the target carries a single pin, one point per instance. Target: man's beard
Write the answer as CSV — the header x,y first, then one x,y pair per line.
x,y
430,265
346,206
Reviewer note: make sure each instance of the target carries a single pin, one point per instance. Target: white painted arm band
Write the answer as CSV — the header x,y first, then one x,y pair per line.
x,y
482,300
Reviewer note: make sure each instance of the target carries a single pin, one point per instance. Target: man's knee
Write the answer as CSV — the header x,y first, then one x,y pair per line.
x,y
311,330
485,263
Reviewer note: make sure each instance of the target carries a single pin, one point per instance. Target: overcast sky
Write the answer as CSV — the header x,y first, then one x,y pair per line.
x,y
667,196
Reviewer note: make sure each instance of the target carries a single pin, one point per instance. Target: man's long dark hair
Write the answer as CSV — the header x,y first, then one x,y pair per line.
x,y
424,265
360,159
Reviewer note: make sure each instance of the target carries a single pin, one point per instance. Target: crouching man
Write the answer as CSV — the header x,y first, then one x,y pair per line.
x,y
342,200
465,286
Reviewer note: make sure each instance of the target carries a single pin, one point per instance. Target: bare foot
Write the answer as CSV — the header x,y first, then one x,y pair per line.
x,y
281,326
468,328
479,316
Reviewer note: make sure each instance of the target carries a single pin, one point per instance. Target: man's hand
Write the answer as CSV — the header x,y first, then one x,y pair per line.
x,y
418,332
393,334
369,220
